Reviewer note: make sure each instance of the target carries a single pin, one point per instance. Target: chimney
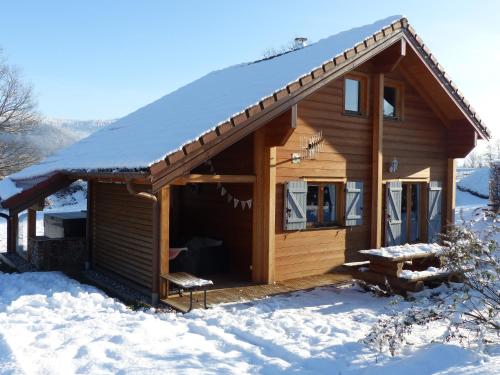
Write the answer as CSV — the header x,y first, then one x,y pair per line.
x,y
300,42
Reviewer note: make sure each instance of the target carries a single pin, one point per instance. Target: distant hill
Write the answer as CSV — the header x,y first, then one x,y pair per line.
x,y
53,134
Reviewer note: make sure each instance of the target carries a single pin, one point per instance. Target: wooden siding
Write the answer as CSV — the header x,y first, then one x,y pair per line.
x,y
418,142
346,153
122,230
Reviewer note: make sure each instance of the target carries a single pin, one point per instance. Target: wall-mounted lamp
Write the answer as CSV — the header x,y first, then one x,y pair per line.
x,y
393,166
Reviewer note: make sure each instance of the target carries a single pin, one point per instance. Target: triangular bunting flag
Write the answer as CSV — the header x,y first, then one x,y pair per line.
x,y
249,202
223,191
229,198
236,201
243,203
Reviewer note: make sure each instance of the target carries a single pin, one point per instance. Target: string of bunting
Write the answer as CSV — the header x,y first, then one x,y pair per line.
x,y
225,193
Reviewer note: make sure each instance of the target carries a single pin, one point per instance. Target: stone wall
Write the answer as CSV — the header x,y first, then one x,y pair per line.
x,y
61,254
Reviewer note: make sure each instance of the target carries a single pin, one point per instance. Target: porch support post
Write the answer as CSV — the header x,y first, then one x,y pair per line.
x,y
164,238
12,233
90,222
377,160
31,223
264,210
155,271
451,191
31,229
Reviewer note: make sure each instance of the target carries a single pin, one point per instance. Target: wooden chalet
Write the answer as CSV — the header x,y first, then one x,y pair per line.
x,y
357,153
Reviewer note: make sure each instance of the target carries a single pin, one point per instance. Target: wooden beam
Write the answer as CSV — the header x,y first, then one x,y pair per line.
x,y
164,238
37,193
213,179
451,191
461,139
31,223
90,221
155,271
281,128
137,177
377,159
12,233
264,210
388,60
31,230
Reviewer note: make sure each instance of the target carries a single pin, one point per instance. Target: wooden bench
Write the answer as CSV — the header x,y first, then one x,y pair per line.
x,y
190,283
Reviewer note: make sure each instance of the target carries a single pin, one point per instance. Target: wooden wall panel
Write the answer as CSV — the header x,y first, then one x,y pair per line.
x,y
346,153
418,142
122,231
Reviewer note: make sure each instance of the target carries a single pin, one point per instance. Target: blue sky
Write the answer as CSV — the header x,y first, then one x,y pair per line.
x,y
103,59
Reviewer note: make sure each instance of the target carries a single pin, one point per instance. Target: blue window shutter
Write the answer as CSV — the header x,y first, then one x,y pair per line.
x,y
434,210
295,205
353,203
393,225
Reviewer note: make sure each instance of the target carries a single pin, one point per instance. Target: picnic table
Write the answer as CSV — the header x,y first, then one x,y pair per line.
x,y
404,267
187,282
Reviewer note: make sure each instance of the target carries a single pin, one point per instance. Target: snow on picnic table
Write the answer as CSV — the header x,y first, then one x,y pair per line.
x,y
51,324
406,250
429,272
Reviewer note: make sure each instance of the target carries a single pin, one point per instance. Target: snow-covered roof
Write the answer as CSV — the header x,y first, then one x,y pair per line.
x,y
148,135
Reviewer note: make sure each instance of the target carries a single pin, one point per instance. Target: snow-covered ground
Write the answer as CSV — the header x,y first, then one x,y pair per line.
x,y
476,182
50,324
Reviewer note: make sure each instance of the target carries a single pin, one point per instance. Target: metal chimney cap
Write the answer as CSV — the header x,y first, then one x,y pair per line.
x,y
300,42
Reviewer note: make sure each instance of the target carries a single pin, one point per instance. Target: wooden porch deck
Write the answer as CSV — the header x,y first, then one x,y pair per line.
x,y
249,292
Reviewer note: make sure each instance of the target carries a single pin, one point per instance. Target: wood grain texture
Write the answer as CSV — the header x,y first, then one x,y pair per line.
x,y
122,233
377,159
417,141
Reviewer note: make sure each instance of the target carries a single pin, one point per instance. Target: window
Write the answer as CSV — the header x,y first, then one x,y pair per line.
x,y
355,94
352,95
322,205
390,101
393,99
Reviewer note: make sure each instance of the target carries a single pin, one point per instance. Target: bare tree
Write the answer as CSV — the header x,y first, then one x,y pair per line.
x,y
473,160
17,116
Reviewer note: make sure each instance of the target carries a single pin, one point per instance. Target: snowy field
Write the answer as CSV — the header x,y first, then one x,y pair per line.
x,y
50,324
54,325
476,181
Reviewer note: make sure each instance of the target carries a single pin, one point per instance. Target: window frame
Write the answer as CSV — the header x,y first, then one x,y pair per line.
x,y
320,224
363,94
399,87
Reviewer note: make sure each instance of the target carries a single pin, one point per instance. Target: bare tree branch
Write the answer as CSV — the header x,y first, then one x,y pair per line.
x,y
17,116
